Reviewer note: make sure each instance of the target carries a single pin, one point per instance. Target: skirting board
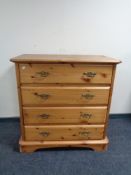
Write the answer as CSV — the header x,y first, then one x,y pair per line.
x,y
32,146
111,116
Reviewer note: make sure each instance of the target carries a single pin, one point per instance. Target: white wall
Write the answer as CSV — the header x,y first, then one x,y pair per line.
x,y
65,27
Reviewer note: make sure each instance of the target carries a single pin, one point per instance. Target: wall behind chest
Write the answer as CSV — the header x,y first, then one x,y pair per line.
x,y
65,27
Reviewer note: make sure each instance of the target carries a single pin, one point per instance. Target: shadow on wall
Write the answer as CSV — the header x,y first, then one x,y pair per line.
x,y
8,93
121,101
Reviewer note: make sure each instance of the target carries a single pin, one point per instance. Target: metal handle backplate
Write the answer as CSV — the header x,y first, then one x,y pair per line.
x,y
85,115
43,96
89,74
42,74
88,96
44,134
44,116
84,133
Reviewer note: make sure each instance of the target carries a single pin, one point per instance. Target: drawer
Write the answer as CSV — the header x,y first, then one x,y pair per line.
x,y
64,115
64,95
64,132
65,73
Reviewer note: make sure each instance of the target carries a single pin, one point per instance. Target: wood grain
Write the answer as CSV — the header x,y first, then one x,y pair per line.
x,y
67,73
20,101
30,146
64,95
64,132
64,115
64,100
42,58
110,98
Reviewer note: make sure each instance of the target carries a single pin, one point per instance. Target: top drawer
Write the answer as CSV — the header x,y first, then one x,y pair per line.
x,y
65,73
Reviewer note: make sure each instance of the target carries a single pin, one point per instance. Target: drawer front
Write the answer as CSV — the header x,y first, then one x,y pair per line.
x,y
65,73
64,115
64,132
64,95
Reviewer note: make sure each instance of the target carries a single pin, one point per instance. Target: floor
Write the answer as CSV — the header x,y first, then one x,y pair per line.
x,y
115,161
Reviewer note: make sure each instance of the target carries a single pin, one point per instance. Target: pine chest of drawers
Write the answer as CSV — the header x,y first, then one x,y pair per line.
x,y
64,100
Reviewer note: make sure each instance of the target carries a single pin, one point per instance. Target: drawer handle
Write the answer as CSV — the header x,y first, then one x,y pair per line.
x,y
43,96
85,115
89,74
44,134
88,96
44,116
84,133
43,74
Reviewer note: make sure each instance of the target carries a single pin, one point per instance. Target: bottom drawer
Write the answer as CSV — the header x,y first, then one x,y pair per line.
x,y
64,132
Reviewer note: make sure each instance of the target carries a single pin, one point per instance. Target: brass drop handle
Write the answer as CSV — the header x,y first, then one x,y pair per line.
x,y
44,116
42,74
88,96
44,134
84,133
85,115
43,96
89,74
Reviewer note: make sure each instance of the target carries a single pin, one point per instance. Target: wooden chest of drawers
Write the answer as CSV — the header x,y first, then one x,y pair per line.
x,y
64,100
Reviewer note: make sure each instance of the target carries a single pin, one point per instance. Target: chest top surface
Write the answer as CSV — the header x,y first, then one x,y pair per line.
x,y
42,58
